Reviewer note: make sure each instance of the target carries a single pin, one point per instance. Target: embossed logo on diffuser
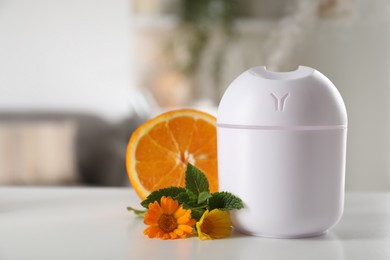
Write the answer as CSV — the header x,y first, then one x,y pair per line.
x,y
280,101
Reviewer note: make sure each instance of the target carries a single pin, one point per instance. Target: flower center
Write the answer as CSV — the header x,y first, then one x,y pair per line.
x,y
167,223
207,226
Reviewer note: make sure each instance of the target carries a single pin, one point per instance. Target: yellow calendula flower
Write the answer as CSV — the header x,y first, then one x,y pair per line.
x,y
168,220
214,224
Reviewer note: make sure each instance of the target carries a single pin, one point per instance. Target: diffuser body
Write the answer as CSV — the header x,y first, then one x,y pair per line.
x,y
281,148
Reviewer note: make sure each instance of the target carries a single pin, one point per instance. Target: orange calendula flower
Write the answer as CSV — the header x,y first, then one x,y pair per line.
x,y
168,220
214,224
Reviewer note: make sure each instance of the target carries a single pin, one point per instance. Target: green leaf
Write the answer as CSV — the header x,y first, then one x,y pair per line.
x,y
189,200
197,213
196,181
203,196
182,198
193,198
156,195
140,213
225,201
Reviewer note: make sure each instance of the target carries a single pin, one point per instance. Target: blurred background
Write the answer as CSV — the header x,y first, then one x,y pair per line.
x,y
78,76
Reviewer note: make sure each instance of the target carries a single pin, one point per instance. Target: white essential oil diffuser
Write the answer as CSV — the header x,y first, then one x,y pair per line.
x,y
281,149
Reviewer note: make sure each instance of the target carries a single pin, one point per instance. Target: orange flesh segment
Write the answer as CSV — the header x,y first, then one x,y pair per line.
x,y
159,156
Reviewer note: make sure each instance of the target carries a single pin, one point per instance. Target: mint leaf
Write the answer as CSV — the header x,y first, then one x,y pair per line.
x,y
183,198
156,195
188,199
224,201
203,196
196,181
197,213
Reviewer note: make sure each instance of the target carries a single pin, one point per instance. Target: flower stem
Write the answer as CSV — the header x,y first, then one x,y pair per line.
x,y
140,213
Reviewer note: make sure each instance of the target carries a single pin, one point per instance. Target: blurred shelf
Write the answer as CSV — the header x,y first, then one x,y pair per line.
x,y
169,22
255,25
163,22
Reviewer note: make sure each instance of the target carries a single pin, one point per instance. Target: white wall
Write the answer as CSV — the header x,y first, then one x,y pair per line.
x,y
356,57
70,55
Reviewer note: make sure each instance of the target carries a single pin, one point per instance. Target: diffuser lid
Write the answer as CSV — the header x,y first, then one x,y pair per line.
x,y
262,98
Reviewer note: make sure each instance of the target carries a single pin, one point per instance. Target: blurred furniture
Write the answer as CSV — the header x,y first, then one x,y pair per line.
x,y
41,148
92,223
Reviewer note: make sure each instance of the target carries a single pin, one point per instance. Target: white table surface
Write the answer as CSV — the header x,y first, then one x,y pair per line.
x,y
93,223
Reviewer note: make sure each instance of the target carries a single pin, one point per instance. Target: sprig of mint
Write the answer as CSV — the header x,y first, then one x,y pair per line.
x,y
156,195
196,195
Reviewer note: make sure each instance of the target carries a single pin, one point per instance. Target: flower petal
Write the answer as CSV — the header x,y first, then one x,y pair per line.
x,y
220,233
179,232
172,206
173,235
163,203
187,229
180,212
154,206
204,236
191,222
214,224
151,231
183,220
153,214
168,205
168,220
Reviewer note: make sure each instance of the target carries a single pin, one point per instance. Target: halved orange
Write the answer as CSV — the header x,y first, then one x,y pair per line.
x,y
159,150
